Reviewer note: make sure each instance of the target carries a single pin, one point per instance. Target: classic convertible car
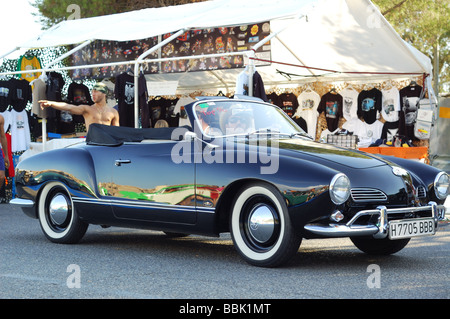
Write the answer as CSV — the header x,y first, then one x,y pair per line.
x,y
243,167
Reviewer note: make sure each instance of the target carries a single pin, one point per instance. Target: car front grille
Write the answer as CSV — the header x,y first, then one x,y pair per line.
x,y
368,195
421,192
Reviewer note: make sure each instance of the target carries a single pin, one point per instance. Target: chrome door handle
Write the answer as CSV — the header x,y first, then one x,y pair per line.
x,y
120,162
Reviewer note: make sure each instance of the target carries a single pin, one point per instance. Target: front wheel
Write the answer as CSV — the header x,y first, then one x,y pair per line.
x,y
261,228
57,215
373,246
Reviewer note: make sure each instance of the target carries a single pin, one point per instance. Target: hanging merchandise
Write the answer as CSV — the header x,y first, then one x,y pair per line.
x,y
426,114
21,94
20,131
55,83
143,102
390,130
124,93
369,105
331,104
350,103
258,87
288,103
409,97
5,95
26,63
39,93
390,104
308,102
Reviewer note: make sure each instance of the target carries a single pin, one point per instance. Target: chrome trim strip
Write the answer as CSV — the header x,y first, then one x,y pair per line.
x,y
25,203
113,202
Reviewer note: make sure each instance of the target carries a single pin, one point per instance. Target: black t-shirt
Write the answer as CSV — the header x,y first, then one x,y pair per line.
x,y
288,103
124,93
21,94
369,103
331,104
5,95
409,96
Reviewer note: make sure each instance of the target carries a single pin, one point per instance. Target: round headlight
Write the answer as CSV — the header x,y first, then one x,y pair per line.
x,y
339,188
441,185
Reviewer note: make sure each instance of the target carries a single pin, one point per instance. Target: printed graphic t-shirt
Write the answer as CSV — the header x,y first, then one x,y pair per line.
x,y
331,104
369,103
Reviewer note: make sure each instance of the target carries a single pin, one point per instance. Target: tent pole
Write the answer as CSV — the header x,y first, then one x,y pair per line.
x,y
9,52
136,71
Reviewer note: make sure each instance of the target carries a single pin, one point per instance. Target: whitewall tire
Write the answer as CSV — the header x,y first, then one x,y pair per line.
x,y
261,228
57,215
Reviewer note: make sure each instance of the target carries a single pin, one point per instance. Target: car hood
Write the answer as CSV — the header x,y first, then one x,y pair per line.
x,y
315,151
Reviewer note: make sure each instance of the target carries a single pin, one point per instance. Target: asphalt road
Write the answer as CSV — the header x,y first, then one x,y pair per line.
x,y
123,263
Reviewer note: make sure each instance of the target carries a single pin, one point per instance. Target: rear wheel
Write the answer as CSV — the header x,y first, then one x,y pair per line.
x,y
261,228
384,246
57,215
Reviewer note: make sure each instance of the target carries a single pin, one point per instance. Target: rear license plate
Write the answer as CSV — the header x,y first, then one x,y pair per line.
x,y
408,228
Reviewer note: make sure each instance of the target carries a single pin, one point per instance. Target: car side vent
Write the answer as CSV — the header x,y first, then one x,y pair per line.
x,y
368,195
421,192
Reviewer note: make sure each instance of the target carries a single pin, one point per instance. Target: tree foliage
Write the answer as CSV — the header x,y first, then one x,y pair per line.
x,y
425,25
55,11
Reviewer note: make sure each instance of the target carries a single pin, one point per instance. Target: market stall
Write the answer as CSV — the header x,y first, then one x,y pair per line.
x,y
318,60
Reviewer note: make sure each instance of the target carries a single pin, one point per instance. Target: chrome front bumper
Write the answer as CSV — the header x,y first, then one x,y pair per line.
x,y
381,229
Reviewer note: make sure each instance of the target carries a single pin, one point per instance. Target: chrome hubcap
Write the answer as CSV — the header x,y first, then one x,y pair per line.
x,y
261,223
59,209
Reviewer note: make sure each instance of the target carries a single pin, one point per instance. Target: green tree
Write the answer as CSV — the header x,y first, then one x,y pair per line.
x,y
425,25
54,11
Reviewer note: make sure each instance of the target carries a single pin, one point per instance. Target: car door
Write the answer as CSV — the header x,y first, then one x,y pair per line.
x,y
147,184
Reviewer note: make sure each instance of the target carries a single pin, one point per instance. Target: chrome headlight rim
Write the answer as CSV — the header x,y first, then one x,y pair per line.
x,y
339,196
436,185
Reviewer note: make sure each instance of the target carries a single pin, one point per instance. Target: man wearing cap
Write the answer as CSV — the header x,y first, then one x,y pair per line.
x,y
99,112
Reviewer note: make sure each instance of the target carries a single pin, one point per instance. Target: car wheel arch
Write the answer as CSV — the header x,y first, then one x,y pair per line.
x,y
223,208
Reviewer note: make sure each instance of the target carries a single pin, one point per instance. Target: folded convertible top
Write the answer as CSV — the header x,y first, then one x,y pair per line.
x,y
106,135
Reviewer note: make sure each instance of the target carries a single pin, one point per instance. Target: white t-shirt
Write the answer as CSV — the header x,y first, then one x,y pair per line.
x,y
20,131
367,133
308,101
242,83
350,103
390,104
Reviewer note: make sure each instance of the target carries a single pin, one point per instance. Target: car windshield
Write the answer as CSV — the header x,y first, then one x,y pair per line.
x,y
236,117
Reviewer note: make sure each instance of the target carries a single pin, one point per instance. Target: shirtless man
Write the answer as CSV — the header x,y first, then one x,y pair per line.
x,y
100,112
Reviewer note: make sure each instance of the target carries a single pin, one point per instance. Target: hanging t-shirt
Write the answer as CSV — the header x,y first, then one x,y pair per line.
x,y
350,103
308,102
242,83
273,98
390,104
288,103
55,83
39,93
369,104
409,96
29,63
21,94
331,104
5,95
124,93
20,131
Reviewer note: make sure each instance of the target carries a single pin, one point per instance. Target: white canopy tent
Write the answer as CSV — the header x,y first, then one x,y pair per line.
x,y
324,39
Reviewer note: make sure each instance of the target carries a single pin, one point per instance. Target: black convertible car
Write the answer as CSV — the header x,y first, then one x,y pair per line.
x,y
242,167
